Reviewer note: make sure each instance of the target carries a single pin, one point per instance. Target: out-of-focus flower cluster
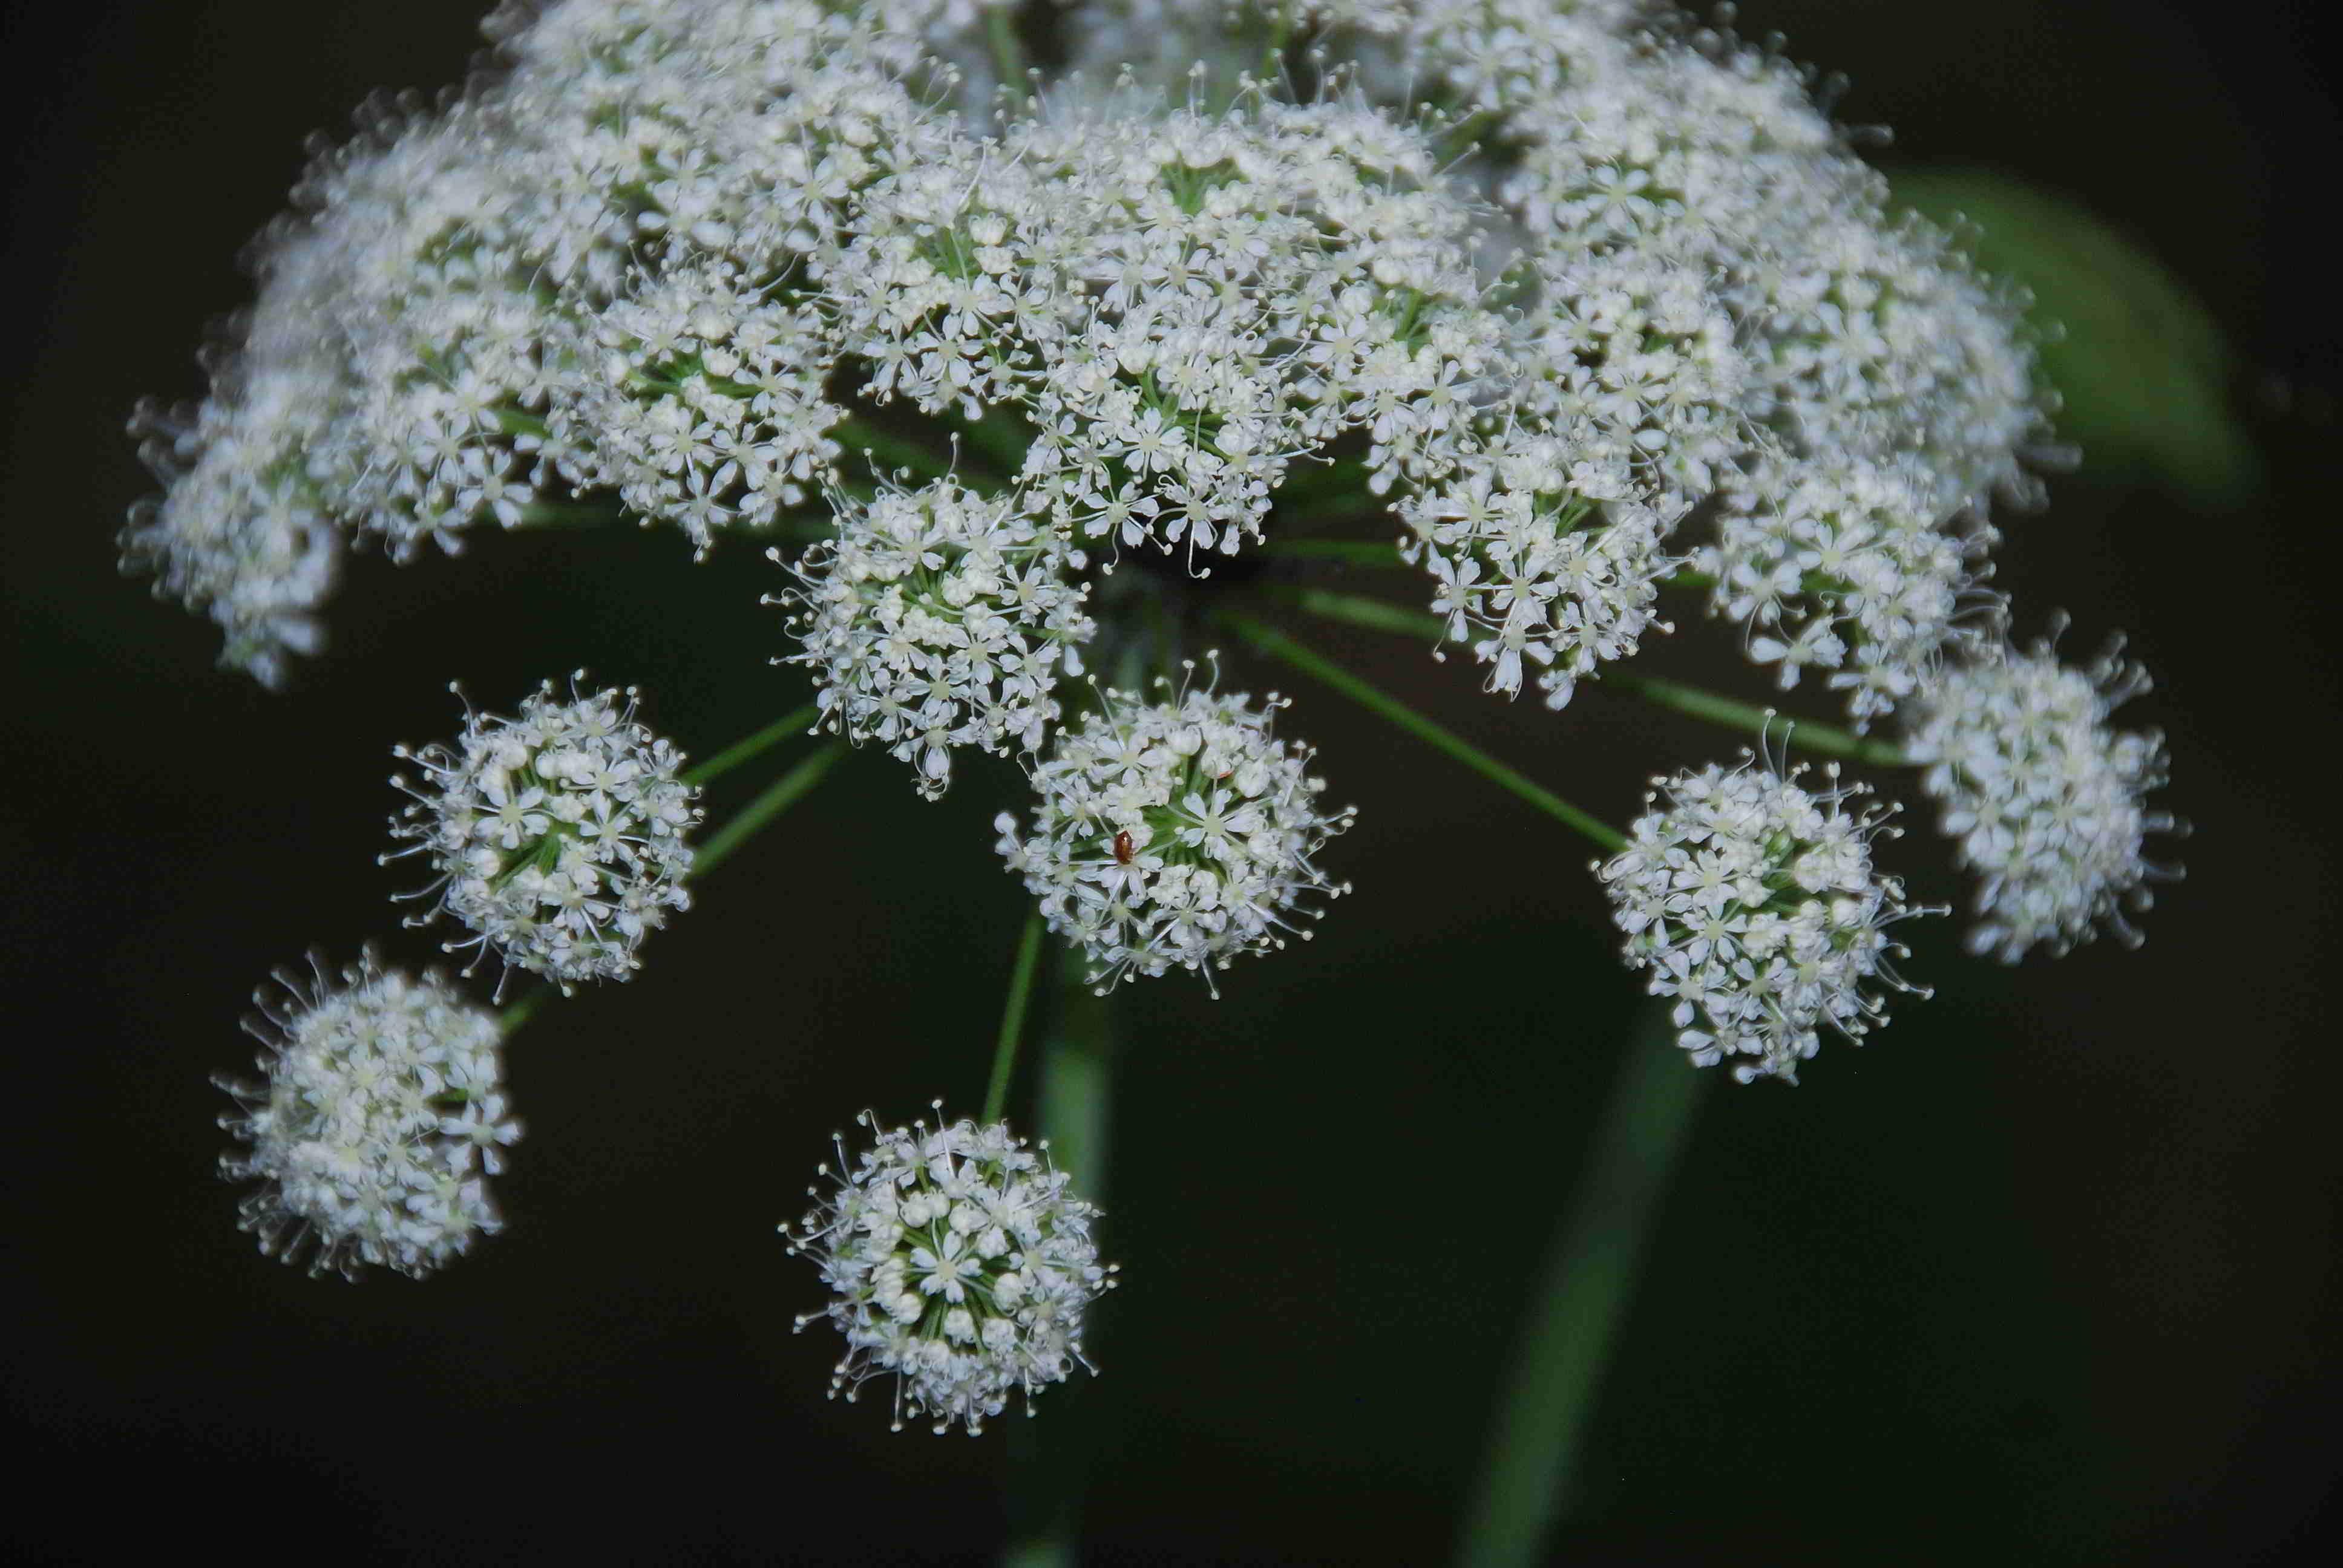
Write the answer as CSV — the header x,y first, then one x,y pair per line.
x,y
2042,795
378,1116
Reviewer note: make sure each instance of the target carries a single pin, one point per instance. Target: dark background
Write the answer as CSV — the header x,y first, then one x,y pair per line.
x,y
2046,1271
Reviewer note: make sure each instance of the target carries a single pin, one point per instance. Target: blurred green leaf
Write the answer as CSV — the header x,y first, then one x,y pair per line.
x,y
2143,368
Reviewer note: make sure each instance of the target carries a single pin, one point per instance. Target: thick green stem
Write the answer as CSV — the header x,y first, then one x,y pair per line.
x,y
1052,1456
777,797
1012,1020
1548,1390
740,751
1272,641
1001,33
1823,737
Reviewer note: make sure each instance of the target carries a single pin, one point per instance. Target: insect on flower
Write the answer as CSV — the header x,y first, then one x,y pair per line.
x,y
1122,847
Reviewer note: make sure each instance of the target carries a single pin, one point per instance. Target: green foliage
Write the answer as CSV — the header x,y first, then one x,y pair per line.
x,y
2144,369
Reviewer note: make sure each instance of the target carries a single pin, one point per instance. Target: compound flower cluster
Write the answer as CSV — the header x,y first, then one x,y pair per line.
x,y
2042,795
1176,835
669,251
1754,903
558,837
379,1116
940,619
1578,292
961,1264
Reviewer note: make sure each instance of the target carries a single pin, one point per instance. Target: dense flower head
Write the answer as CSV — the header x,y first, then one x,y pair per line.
x,y
1754,903
380,1115
1633,359
958,1261
1545,565
699,400
939,618
1178,834
2043,796
557,837
1850,567
1879,339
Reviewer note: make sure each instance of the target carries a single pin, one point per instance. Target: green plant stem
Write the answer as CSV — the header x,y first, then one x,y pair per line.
x,y
521,1011
1012,1020
740,751
1052,1457
1547,1392
1007,54
776,800
1273,54
1371,613
1277,643
1826,738
777,797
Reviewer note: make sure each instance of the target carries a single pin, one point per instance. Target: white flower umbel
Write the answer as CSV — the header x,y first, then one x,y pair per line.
x,y
1754,903
1848,566
1542,562
558,837
2042,795
380,1113
1634,357
699,400
938,619
959,1262
1177,835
